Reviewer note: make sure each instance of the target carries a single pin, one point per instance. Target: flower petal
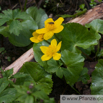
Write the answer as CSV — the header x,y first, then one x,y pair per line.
x,y
59,21
35,40
48,20
45,57
56,56
59,46
54,42
35,34
43,49
48,35
58,29
41,31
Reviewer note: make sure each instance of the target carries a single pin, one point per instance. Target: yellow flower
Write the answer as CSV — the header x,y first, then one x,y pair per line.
x,y
37,37
51,27
51,51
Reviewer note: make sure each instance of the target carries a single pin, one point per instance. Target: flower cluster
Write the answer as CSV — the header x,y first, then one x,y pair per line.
x,y
46,33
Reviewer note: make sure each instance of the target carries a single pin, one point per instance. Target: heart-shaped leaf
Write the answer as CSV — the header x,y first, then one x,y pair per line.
x,y
96,25
75,35
74,63
38,15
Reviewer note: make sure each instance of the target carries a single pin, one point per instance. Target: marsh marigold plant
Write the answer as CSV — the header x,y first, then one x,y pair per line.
x,y
51,51
51,27
36,37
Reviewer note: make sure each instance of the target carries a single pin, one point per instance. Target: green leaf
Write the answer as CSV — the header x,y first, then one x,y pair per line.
x,y
88,51
29,99
70,76
96,25
9,73
97,79
84,76
100,54
41,95
19,75
4,31
24,37
45,84
2,21
16,102
23,91
8,95
82,6
97,35
61,72
70,58
3,83
52,66
15,27
75,35
7,14
74,63
38,15
38,53
20,15
22,98
42,79
34,70
51,100
19,31
10,15
23,79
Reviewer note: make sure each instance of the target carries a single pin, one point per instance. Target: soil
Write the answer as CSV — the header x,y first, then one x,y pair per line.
x,y
52,8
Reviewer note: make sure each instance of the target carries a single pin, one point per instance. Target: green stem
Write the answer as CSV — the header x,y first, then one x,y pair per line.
x,y
25,5
47,41
63,63
75,89
98,48
20,4
75,15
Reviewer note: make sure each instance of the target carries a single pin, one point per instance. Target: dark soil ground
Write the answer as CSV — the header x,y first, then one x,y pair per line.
x,y
52,8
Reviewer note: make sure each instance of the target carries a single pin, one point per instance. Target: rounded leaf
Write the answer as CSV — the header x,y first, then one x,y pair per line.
x,y
38,15
75,35
74,63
